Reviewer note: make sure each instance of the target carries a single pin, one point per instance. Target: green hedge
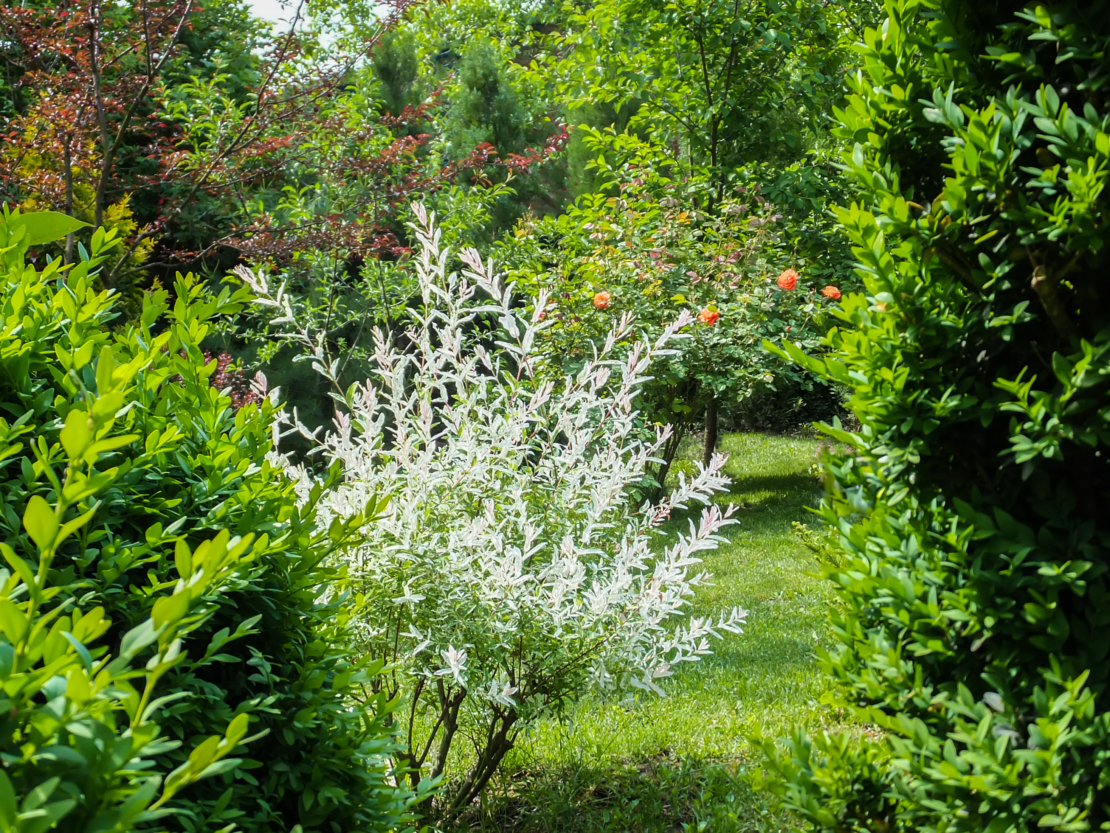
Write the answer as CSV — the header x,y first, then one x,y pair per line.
x,y
971,510
177,466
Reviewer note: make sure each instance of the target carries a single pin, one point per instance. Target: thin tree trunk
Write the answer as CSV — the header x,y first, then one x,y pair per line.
x,y
98,102
450,710
67,163
497,747
710,431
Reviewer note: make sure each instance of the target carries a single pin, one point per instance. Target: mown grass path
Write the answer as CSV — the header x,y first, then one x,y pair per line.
x,y
676,763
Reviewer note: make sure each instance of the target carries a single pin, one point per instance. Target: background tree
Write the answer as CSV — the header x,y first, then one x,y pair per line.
x,y
177,109
88,75
731,82
396,64
485,107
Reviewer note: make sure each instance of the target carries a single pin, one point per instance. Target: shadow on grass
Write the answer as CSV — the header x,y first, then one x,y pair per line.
x,y
775,500
767,506
781,488
661,795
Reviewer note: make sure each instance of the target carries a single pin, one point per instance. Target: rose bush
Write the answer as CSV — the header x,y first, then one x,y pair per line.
x,y
652,253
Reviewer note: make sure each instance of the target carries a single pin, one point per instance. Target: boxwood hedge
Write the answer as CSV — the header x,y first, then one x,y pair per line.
x,y
971,507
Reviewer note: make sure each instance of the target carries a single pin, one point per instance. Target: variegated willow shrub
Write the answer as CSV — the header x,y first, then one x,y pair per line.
x,y
513,567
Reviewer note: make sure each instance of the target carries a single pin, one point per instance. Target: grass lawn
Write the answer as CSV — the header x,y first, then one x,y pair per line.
x,y
676,763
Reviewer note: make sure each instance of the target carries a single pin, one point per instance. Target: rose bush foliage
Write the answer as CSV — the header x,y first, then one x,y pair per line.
x,y
642,245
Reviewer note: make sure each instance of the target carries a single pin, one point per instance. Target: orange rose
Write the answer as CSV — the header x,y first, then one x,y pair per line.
x,y
708,316
602,300
831,292
788,280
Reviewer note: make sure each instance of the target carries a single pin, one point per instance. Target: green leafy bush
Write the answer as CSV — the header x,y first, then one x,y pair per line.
x,y
175,465
972,509
77,732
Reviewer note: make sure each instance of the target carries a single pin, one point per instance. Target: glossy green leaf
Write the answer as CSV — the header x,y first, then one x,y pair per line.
x,y
40,522
47,226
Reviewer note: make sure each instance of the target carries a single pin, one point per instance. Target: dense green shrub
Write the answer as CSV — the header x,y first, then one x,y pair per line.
x,y
77,730
181,466
971,511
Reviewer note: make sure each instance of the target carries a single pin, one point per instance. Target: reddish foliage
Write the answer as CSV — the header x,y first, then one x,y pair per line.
x,y
400,174
91,78
234,382
88,72
90,75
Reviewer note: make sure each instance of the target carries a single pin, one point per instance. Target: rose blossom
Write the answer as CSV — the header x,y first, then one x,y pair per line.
x,y
602,300
788,280
831,292
708,316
